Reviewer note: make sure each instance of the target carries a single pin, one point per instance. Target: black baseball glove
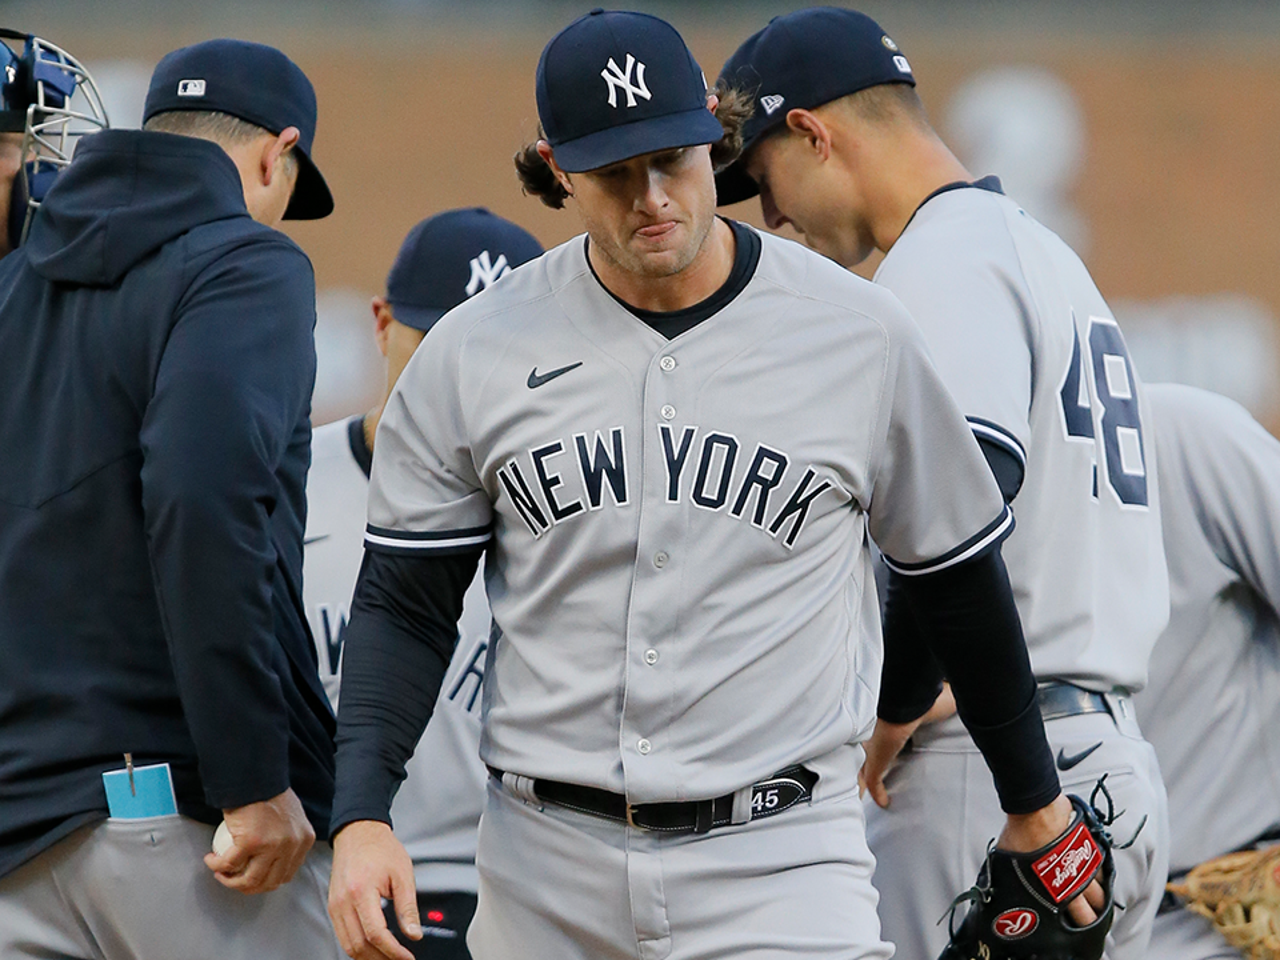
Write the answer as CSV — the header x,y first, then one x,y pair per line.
x,y
1018,907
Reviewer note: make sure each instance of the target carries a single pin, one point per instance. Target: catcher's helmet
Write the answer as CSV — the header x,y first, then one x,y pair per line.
x,y
47,96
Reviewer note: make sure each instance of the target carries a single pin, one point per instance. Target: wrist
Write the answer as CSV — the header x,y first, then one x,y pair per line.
x,y
1024,832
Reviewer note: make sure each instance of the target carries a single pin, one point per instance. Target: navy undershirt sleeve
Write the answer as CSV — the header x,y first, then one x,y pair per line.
x,y
964,616
1006,468
396,649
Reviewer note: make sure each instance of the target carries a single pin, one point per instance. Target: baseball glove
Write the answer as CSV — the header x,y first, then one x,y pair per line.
x,y
1017,908
1240,893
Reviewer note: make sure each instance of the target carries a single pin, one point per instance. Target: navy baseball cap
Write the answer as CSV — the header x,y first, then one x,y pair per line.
x,y
613,85
256,83
449,257
803,60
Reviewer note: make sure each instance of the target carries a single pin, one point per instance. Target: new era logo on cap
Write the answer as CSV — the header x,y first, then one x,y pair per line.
x,y
772,102
191,88
901,63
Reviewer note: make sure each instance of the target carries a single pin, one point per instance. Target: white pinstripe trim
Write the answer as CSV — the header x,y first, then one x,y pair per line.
x,y
406,544
1006,440
960,557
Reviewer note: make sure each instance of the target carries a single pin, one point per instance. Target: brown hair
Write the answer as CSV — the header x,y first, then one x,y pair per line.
x,y
537,179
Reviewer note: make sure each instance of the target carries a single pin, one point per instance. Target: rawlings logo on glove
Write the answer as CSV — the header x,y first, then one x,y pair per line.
x,y
1017,908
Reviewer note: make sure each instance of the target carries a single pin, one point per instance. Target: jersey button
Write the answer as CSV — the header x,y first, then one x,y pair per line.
x,y
667,363
644,746
660,559
651,657
668,412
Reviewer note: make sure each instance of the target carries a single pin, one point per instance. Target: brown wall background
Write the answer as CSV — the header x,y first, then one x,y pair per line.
x,y
1179,183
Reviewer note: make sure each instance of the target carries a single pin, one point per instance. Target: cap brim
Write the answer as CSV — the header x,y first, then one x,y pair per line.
x,y
311,198
733,185
687,129
420,318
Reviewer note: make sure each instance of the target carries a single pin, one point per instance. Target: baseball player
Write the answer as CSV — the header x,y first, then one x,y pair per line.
x,y
443,260
839,147
1212,706
671,437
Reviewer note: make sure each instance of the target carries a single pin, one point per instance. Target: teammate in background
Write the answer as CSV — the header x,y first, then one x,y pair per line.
x,y
671,436
443,260
1212,707
839,146
38,74
156,335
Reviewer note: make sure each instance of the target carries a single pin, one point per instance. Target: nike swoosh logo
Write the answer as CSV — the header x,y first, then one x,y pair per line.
x,y
536,380
1067,762
310,540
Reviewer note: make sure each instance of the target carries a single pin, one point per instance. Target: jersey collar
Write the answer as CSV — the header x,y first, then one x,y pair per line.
x,y
989,183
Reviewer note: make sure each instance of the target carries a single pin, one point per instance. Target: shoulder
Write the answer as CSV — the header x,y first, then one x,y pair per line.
x,y
246,257
809,278
507,304
956,230
1190,417
1185,402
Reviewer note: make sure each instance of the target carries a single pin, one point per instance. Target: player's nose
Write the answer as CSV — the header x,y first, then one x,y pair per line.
x,y
652,194
773,217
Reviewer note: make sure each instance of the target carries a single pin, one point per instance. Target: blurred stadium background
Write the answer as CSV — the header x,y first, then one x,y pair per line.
x,y
1147,132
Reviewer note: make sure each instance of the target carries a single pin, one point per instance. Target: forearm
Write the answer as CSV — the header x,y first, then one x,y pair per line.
x,y
967,616
398,644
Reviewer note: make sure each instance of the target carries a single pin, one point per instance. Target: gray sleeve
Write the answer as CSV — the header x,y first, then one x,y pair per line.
x,y
934,501
424,493
1228,466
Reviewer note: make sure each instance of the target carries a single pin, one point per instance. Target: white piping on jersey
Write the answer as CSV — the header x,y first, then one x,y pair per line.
x,y
993,536
416,544
998,435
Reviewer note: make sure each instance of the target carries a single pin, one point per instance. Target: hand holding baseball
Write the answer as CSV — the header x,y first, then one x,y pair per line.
x,y
264,844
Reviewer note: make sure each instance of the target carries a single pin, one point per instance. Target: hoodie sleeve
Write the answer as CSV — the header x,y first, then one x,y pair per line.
x,y
234,381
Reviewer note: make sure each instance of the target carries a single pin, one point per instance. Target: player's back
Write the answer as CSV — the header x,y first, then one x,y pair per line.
x,y
1213,705
1028,346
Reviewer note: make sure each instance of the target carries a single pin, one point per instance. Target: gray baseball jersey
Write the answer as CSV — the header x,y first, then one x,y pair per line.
x,y
438,806
677,529
1212,708
1027,345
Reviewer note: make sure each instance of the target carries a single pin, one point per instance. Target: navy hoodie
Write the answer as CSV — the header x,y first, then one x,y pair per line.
x,y
156,367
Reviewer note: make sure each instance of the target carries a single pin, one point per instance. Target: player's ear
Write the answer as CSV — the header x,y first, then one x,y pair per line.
x,y
712,102
382,317
549,158
811,127
274,149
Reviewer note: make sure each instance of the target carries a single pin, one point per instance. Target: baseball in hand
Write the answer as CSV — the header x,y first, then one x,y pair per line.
x,y
222,839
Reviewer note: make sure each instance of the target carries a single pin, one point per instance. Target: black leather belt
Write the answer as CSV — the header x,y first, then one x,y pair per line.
x,y
780,792
1058,699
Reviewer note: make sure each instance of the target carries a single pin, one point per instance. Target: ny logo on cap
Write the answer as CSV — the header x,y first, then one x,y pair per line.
x,y
616,78
484,274
191,88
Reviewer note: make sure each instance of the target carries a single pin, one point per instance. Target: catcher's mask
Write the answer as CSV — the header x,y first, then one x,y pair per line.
x,y
47,96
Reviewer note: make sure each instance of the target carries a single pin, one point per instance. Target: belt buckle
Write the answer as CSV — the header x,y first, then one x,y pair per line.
x,y
631,822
